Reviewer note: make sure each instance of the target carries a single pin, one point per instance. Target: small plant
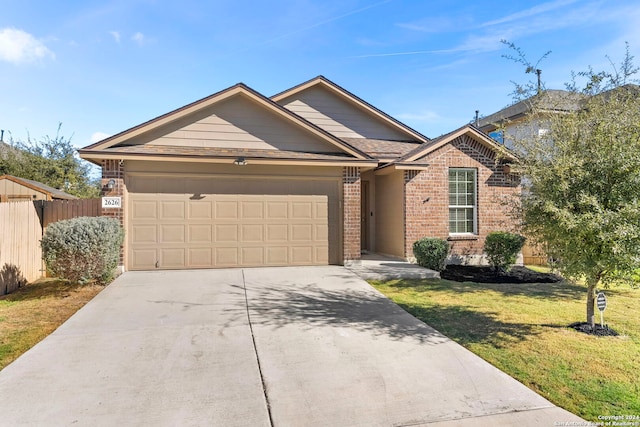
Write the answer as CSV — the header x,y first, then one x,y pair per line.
x,y
502,249
431,253
83,249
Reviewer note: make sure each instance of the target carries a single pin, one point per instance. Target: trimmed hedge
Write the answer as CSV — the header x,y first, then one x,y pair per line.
x,y
431,253
502,249
83,249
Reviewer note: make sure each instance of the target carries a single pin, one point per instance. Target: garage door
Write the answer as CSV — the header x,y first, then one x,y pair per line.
x,y
175,231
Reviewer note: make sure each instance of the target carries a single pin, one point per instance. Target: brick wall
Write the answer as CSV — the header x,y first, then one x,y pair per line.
x,y
427,196
114,169
351,188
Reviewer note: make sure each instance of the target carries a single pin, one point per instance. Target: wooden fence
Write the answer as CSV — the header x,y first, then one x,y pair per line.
x,y
21,227
533,255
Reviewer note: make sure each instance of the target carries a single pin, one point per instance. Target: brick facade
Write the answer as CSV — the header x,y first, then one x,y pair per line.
x,y
427,196
114,169
351,188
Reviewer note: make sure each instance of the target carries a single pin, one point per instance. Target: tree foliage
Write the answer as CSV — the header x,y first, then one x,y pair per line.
x,y
582,197
52,161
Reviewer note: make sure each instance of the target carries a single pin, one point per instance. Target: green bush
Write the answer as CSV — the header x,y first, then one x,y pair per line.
x,y
83,249
502,249
431,253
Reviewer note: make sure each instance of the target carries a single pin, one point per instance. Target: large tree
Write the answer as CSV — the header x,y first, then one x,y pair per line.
x,y
52,161
582,176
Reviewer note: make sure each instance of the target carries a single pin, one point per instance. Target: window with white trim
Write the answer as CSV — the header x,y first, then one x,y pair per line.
x,y
462,201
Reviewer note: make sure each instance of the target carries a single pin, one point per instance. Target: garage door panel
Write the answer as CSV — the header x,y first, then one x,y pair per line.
x,y
172,233
251,233
200,233
301,255
301,210
252,210
200,229
200,257
226,257
301,232
144,209
200,209
173,209
277,255
277,232
252,256
226,209
173,257
277,210
144,233
144,258
226,233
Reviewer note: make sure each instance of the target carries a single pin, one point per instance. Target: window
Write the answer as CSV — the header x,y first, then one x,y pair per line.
x,y
462,201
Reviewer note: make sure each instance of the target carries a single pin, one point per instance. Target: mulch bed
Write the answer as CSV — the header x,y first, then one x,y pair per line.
x,y
605,331
483,274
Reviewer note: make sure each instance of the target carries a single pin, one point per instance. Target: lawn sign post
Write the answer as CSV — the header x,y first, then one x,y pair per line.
x,y
601,300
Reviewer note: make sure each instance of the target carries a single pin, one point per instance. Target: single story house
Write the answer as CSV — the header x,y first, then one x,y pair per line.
x,y
14,189
310,176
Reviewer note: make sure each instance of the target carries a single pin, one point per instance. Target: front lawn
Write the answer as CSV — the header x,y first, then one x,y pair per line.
x,y
521,329
31,313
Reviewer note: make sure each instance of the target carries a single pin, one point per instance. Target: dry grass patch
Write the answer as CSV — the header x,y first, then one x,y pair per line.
x,y
31,313
522,330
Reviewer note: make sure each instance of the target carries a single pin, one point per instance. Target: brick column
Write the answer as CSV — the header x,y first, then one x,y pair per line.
x,y
351,187
114,169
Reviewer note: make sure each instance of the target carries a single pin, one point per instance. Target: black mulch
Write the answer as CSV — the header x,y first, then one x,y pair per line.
x,y
482,274
605,331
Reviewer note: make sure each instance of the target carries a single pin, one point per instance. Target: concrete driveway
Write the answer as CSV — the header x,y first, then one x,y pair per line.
x,y
312,346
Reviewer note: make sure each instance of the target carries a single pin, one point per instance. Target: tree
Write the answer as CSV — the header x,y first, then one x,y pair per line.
x,y
52,161
582,175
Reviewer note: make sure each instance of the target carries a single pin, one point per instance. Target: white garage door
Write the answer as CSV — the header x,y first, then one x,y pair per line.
x,y
193,230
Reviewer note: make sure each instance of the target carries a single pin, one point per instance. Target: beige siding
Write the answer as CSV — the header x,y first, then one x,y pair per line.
x,y
238,123
204,220
14,191
339,117
389,218
20,252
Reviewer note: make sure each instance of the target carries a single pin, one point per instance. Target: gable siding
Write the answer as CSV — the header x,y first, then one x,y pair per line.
x,y
339,117
13,190
431,218
240,123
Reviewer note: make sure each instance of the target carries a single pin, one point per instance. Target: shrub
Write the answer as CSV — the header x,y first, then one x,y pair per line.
x,y
431,253
502,249
83,249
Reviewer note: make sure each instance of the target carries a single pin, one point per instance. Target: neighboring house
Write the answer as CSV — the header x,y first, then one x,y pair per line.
x,y
514,121
313,175
14,189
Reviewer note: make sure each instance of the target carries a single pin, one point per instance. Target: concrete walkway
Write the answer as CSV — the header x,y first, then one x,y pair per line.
x,y
312,346
381,267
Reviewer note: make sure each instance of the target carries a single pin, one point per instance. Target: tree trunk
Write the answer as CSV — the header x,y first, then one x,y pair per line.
x,y
592,282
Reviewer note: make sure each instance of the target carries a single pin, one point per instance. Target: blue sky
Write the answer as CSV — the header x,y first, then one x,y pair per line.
x,y
100,67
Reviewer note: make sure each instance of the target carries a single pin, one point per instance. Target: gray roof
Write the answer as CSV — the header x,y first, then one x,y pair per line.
x,y
548,100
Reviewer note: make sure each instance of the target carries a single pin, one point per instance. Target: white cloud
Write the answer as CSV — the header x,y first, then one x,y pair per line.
x,y
115,35
423,116
17,46
527,13
139,38
99,136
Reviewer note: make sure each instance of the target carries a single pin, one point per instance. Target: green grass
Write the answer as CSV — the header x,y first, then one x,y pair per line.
x,y
31,313
521,329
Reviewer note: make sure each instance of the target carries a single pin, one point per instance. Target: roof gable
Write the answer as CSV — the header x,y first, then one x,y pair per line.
x,y
443,140
342,113
237,117
39,187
